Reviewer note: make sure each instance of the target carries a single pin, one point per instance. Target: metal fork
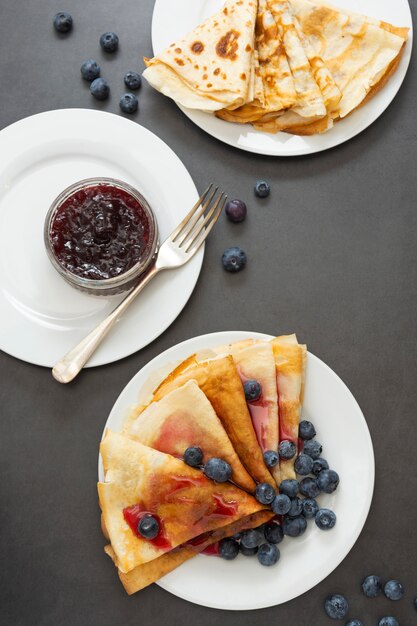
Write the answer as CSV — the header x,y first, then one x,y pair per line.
x,y
180,247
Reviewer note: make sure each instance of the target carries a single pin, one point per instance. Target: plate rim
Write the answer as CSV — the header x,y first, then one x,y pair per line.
x,y
234,335
302,151
198,259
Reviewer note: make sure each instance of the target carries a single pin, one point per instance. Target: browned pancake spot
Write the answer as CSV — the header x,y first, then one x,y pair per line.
x,y
248,48
209,85
179,61
243,76
216,71
197,47
196,67
178,50
225,11
228,46
205,77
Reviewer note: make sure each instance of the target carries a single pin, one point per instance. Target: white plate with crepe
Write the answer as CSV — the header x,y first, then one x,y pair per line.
x,y
172,19
41,316
243,584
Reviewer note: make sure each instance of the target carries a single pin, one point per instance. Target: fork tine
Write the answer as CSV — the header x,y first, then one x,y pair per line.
x,y
188,227
198,239
189,215
200,225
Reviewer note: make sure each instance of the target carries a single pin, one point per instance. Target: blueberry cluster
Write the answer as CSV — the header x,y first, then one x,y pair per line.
x,y
261,541
215,468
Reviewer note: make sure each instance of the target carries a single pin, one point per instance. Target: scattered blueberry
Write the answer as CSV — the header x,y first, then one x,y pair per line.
x,y
253,390
289,487
100,89
90,70
273,532
128,103
325,519
388,621
148,526
228,549
132,80
394,590
270,457
281,504
294,526
310,508
262,189
193,456
109,42
251,538
303,464
309,487
306,430
313,448
248,551
234,259
296,507
264,493
336,606
218,470
328,480
236,210
268,554
318,465
354,622
287,449
63,22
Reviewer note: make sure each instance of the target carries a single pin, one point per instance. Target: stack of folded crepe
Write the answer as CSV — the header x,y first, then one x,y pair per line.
x,y
200,403
291,65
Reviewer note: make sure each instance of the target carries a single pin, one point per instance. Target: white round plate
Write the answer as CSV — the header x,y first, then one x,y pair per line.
x,y
341,428
41,316
174,18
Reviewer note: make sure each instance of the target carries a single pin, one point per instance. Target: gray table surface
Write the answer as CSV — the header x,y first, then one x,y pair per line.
x,y
332,255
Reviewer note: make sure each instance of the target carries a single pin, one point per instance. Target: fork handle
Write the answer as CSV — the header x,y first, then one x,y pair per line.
x,y
72,363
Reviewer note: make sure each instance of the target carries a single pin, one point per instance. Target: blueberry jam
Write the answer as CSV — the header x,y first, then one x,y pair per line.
x,y
100,232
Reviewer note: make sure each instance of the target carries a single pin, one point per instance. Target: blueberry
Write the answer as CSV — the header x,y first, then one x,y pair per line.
x,y
63,22
310,508
313,448
281,504
148,526
109,42
90,70
294,526
325,519
132,80
393,590
248,551
271,458
287,449
236,210
354,622
303,464
253,390
128,103
306,430
264,493
237,536
218,470
309,487
228,549
193,456
289,487
388,621
100,89
296,507
328,480
273,532
262,189
234,259
268,554
251,538
318,465
336,606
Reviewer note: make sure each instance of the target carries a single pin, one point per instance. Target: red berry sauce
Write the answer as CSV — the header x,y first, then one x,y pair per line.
x,y
100,232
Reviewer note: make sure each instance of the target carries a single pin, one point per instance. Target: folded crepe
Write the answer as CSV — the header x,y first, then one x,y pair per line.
x,y
290,362
148,573
219,380
361,53
140,480
213,66
255,361
183,418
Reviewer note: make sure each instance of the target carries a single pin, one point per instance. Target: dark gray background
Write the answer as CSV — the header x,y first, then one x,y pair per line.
x,y
332,256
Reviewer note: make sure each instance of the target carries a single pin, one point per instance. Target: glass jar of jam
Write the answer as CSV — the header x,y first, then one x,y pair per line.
x,y
101,235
